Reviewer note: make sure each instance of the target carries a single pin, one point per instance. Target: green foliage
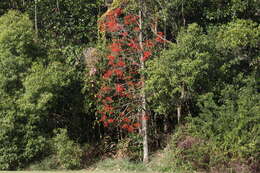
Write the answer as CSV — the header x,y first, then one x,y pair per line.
x,y
220,69
172,15
48,163
67,22
239,35
67,152
221,135
37,95
64,153
200,63
171,159
233,125
16,44
182,66
20,139
130,148
238,43
210,69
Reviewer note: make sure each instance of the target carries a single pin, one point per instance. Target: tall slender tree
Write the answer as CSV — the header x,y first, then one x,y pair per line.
x,y
122,95
143,111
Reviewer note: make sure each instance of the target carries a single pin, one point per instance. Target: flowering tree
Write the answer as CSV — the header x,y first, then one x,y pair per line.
x,y
121,97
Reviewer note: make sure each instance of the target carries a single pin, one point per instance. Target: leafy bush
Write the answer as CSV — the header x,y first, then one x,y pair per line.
x,y
130,148
67,152
20,139
234,125
64,153
48,163
224,137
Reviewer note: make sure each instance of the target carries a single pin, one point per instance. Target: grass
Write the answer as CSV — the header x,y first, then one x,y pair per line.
x,y
103,166
81,171
121,165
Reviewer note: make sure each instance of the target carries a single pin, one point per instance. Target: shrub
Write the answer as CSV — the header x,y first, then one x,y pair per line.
x,y
224,137
67,152
20,139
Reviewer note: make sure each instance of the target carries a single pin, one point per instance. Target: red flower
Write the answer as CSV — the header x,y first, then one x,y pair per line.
x,y
125,126
103,118
134,45
145,117
146,55
119,88
105,124
130,83
120,63
98,96
149,43
128,77
111,21
114,27
115,47
111,57
108,108
127,120
136,125
108,74
111,63
129,19
110,120
124,34
118,72
137,29
130,128
109,99
117,11
159,37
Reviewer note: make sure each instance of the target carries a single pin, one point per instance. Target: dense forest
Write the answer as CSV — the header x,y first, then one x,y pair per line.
x,y
158,85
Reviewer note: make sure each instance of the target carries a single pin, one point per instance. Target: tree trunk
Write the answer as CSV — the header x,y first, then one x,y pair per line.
x,y
35,18
179,113
165,124
179,108
58,5
143,110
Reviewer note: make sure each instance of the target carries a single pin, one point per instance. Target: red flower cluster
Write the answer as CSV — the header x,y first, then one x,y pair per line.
x,y
118,72
111,23
113,26
159,37
120,63
115,47
119,88
149,43
108,74
130,19
123,79
109,99
133,44
146,55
